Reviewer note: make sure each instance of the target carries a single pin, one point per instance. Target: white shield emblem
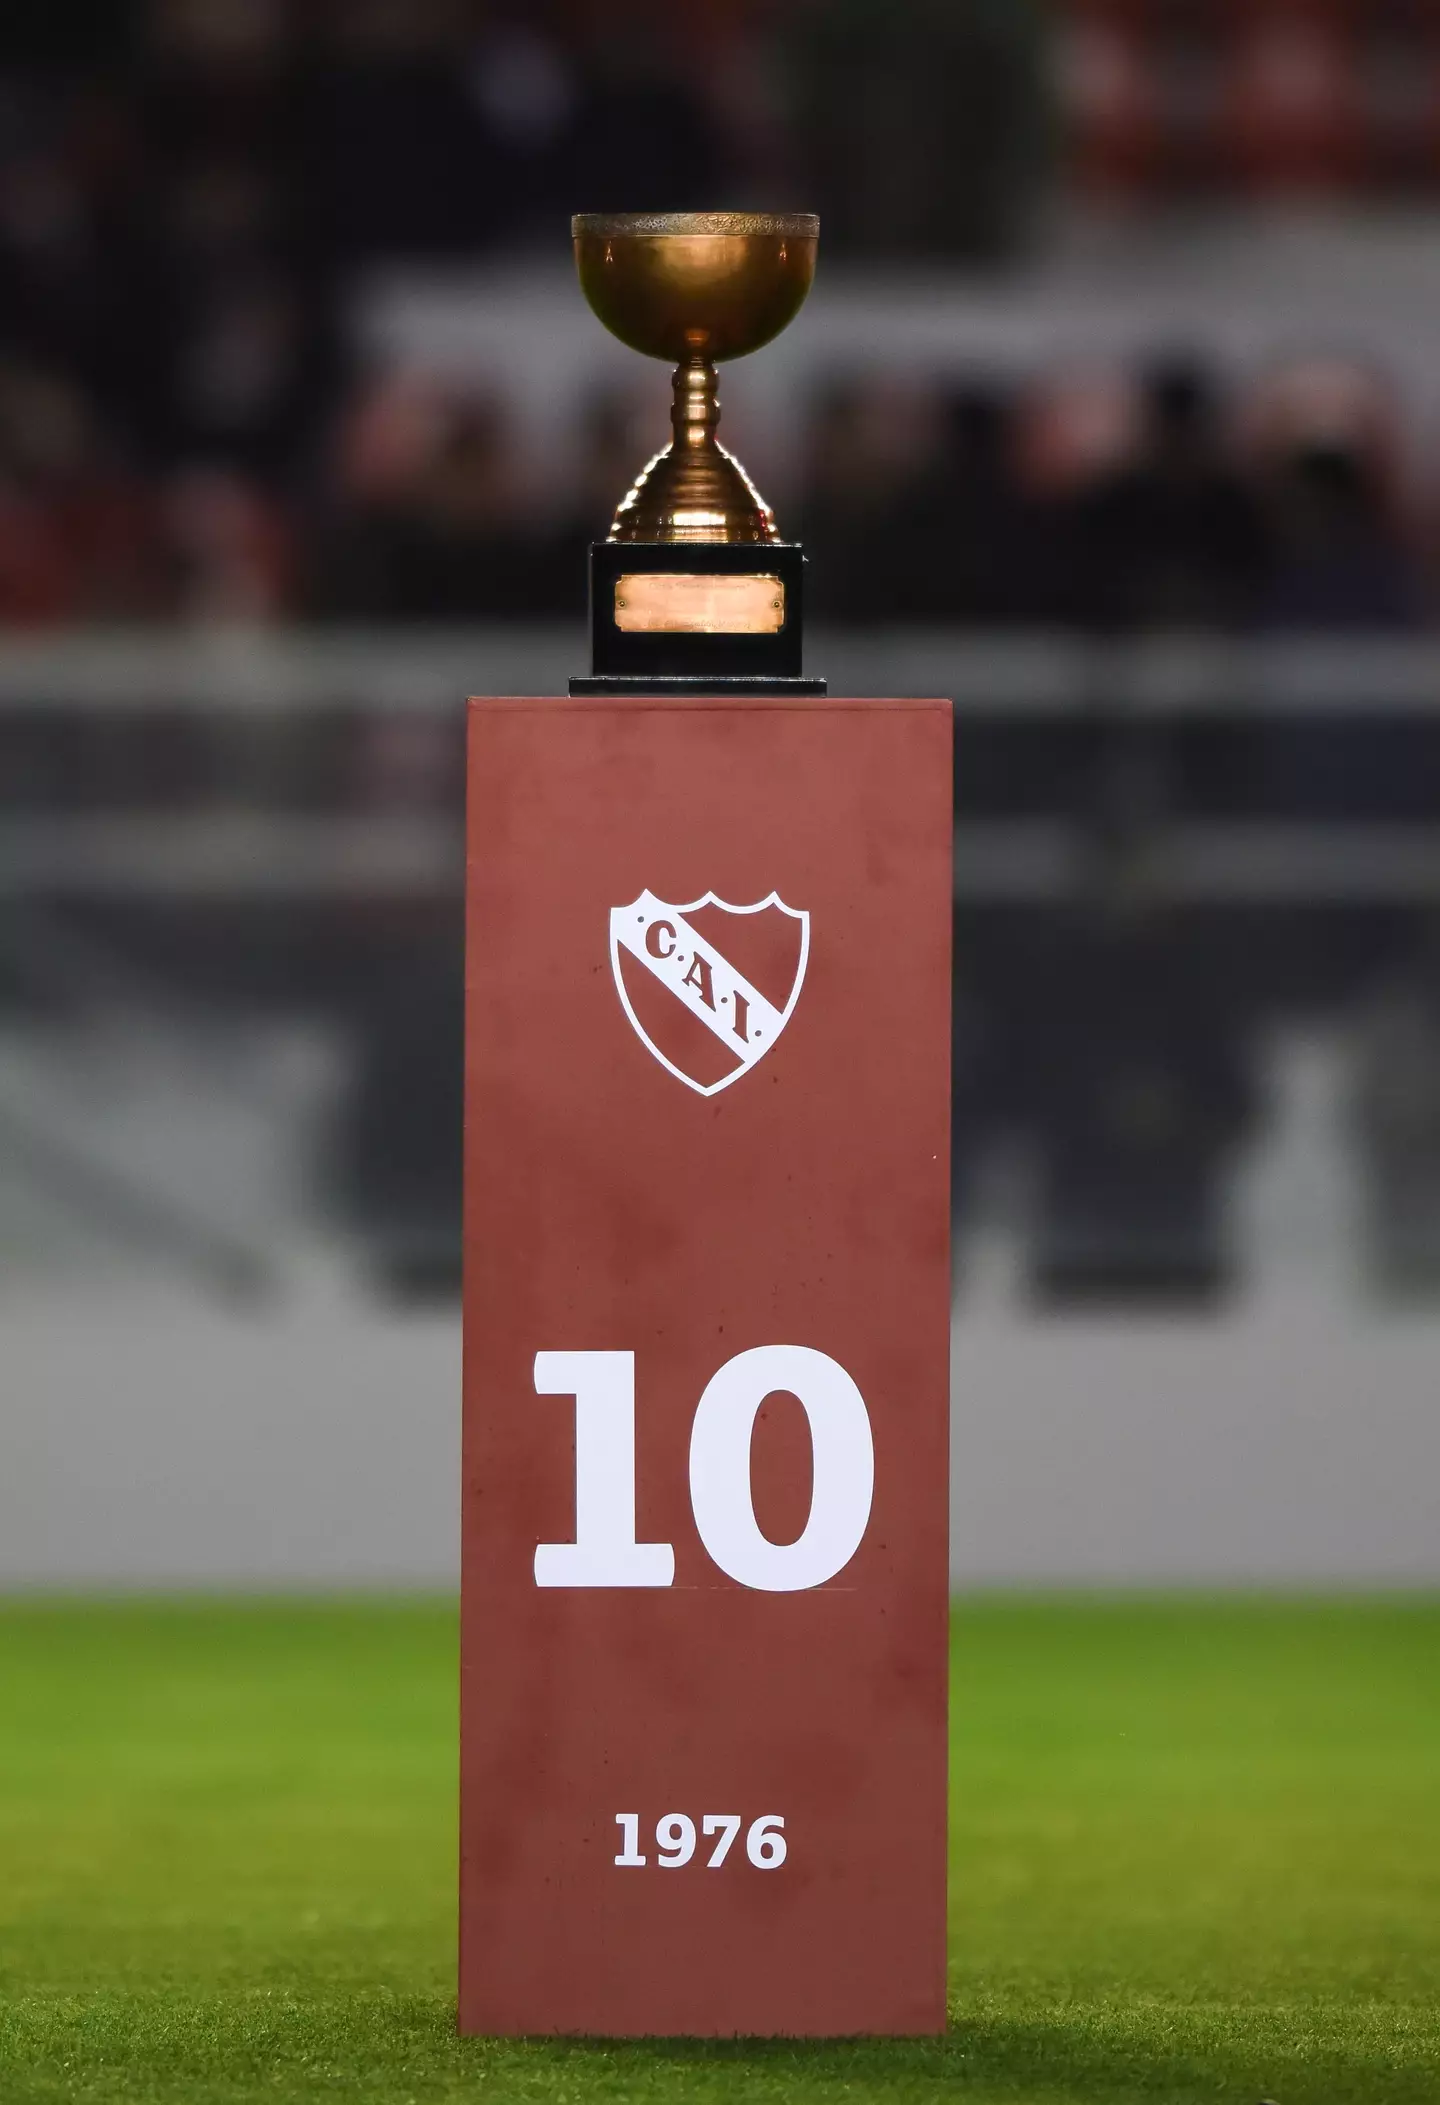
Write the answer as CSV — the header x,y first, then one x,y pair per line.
x,y
708,986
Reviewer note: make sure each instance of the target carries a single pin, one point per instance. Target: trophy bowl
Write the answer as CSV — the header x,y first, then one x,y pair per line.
x,y
694,288
695,285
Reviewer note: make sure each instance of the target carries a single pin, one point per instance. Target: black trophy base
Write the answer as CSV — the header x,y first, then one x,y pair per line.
x,y
695,618
713,683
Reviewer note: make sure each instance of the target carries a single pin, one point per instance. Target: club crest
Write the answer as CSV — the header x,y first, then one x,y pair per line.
x,y
708,986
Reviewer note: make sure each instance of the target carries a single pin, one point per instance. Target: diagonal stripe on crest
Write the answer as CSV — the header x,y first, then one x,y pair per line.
x,y
698,975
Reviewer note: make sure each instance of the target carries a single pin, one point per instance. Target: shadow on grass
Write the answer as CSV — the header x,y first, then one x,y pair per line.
x,y
1119,2055
234,2048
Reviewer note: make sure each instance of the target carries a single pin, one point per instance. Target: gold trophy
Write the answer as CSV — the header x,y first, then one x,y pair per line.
x,y
694,590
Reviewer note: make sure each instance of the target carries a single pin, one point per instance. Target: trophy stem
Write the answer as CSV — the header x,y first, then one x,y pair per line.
x,y
695,403
694,490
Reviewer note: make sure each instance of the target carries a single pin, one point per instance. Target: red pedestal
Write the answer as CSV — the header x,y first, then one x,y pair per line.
x,y
706,1351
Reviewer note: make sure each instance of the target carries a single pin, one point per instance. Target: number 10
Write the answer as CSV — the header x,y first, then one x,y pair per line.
x,y
605,1551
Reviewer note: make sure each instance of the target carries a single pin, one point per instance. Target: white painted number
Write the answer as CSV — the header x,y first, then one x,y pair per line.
x,y
843,1474
675,1837
727,1826
765,1844
629,1826
675,1840
605,1552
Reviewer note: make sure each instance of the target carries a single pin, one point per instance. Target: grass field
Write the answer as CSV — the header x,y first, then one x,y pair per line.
x,y
1195,1856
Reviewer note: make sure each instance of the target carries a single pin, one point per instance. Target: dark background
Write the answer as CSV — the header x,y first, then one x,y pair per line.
x,y
1113,413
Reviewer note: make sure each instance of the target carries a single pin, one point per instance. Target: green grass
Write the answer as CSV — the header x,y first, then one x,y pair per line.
x,y
1195,1856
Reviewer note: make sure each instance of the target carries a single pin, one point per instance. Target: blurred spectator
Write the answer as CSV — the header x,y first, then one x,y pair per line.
x,y
230,550
72,292
1111,100
643,126
241,358
1077,426
1338,561
919,124
397,159
862,448
193,193
1325,431
609,453
1397,1120
1134,1125
965,544
1293,114
524,85
78,536
1175,538
430,526
429,138
398,1170
251,370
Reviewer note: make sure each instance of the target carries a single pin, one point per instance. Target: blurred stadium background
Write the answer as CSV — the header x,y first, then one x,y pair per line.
x,y
1114,413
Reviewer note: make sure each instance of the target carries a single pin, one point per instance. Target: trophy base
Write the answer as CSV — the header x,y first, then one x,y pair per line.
x,y
693,684
696,617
